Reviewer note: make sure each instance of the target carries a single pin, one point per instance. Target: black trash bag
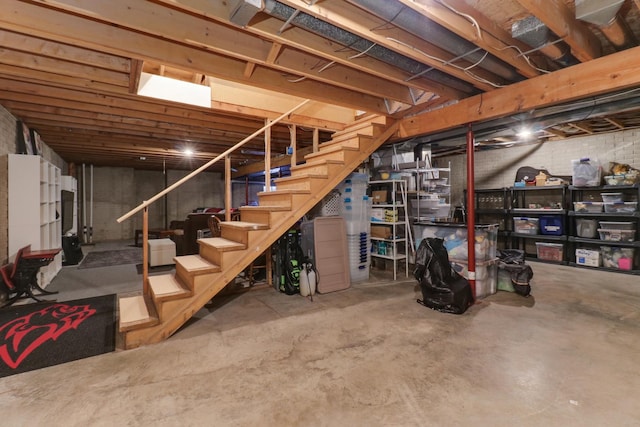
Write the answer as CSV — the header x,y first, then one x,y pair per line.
x,y
512,260
443,289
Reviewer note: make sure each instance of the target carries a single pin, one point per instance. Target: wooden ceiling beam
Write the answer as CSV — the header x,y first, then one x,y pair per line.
x,y
186,28
235,121
58,105
378,31
269,28
61,67
483,32
41,47
337,74
561,20
42,77
556,132
67,28
134,75
617,123
582,127
603,75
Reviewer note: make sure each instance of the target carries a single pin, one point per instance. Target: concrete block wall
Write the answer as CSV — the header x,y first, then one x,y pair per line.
x,y
497,168
118,190
8,125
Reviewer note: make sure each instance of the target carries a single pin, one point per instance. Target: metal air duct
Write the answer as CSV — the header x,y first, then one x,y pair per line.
x,y
604,14
352,41
533,32
415,23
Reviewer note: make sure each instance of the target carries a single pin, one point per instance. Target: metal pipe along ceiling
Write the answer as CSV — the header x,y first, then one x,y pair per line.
x,y
412,21
541,118
536,34
352,41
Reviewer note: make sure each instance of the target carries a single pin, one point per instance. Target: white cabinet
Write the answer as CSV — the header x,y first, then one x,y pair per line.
x,y
34,209
389,226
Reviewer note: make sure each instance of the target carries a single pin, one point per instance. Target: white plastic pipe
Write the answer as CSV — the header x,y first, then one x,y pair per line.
x,y
84,205
91,208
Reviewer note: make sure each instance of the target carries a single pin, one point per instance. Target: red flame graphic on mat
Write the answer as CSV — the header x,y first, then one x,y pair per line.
x,y
21,336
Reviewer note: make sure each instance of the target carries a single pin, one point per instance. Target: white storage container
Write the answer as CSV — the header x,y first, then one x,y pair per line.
x,y
588,257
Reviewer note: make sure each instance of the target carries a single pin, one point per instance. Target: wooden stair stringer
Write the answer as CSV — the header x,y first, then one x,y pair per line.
x,y
181,310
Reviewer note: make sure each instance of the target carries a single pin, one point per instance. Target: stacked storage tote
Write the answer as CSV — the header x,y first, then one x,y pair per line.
x,y
356,211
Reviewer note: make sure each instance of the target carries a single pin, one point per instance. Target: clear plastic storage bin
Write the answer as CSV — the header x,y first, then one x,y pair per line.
x,y
486,275
526,225
611,197
587,228
550,251
455,239
617,235
621,207
593,207
615,257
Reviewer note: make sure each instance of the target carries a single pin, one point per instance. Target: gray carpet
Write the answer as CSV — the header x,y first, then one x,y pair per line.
x,y
110,258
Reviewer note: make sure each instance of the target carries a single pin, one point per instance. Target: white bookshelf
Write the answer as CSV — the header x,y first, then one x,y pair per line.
x,y
34,205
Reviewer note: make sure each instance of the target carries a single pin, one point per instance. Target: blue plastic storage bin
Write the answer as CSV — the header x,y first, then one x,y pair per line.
x,y
551,225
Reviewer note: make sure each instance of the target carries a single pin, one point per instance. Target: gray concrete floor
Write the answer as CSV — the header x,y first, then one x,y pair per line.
x,y
367,356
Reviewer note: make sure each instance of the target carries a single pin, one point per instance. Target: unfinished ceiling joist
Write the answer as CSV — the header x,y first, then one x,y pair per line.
x,y
609,74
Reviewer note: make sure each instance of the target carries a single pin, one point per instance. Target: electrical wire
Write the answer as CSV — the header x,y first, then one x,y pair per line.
x,y
363,52
444,62
479,31
464,15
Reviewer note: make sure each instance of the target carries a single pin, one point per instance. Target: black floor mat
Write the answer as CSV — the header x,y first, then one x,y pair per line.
x,y
38,335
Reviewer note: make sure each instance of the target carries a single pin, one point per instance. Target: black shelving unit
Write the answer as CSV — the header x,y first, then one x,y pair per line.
x,y
630,193
535,202
538,202
492,207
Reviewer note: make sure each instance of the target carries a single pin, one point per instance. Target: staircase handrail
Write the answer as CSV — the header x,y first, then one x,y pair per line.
x,y
178,183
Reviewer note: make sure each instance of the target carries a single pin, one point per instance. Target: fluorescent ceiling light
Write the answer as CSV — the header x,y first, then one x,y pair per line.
x,y
174,90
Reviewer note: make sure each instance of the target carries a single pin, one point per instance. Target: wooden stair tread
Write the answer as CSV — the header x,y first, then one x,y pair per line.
x,y
136,311
300,176
345,138
166,286
267,208
316,162
284,191
222,244
195,264
244,225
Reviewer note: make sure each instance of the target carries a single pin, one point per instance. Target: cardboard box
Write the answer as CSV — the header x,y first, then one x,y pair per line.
x,y
381,231
379,196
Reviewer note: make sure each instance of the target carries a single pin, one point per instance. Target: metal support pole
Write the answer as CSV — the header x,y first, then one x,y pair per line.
x,y
471,211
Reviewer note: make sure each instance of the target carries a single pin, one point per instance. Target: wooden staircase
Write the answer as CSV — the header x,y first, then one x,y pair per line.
x,y
174,298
